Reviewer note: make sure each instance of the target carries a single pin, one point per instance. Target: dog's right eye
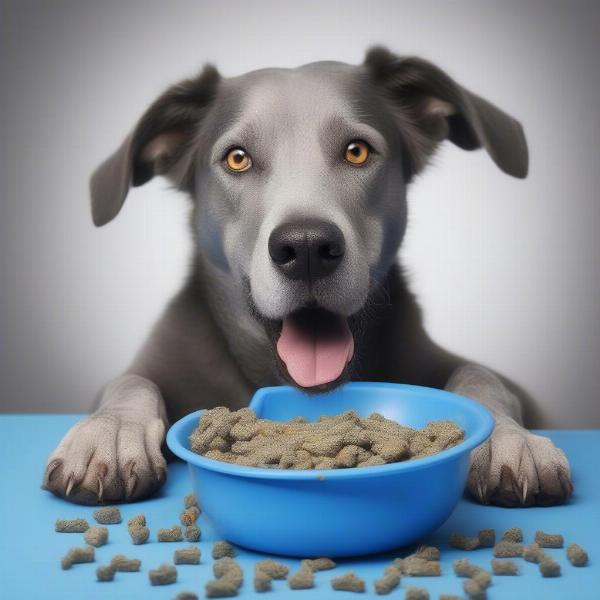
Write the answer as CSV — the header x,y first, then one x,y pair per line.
x,y
237,159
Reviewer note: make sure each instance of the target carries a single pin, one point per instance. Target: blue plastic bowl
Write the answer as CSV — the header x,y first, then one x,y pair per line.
x,y
338,512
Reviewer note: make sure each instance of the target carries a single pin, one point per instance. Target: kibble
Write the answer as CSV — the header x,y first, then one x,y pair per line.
x,y
108,515
473,590
170,534
192,533
349,582
186,596
303,579
577,556
105,573
137,521
462,542
77,556
549,540
189,516
318,564
229,578
262,581
419,567
463,568
449,597
164,575
533,553
415,593
274,569
96,536
514,534
139,534
126,565
505,549
221,549
389,582
549,567
482,578
187,556
71,525
487,538
428,553
190,500
504,567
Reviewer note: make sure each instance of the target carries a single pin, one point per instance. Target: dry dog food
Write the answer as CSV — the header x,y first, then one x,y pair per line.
x,y
139,534
189,516
428,553
163,575
415,593
108,515
487,538
96,536
126,565
504,567
221,549
318,564
105,573
192,533
187,556
340,441
505,549
77,556
462,542
549,567
473,590
533,553
229,579
186,596
514,534
419,567
549,540
482,578
71,525
349,582
170,534
449,597
303,579
190,500
262,581
389,582
137,521
463,568
274,569
577,556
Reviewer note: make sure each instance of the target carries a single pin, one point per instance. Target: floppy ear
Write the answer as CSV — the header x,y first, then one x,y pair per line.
x,y
156,143
435,107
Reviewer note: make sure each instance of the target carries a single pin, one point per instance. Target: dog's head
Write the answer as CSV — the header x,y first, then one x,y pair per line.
x,y
299,178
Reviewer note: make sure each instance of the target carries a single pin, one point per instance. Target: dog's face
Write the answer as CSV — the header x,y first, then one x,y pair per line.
x,y
299,180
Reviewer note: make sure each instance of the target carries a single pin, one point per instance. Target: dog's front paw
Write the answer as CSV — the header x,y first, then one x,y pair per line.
x,y
108,457
518,468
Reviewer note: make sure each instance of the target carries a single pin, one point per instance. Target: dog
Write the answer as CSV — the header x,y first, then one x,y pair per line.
x,y
298,180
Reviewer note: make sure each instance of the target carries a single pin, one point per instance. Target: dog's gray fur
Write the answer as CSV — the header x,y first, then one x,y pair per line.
x,y
212,347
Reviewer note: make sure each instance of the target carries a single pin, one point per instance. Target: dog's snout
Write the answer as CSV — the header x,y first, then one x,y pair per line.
x,y
307,250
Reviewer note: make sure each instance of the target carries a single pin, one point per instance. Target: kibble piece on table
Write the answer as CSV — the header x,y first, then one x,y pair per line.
x,y
137,521
126,565
577,556
473,590
487,538
449,597
139,534
274,569
71,525
549,540
419,567
463,568
533,553
348,582
105,573
187,556
190,500
170,534
221,549
229,578
415,593
303,579
514,534
318,564
262,581
108,515
78,556
462,542
164,575
549,567
389,582
186,596
96,536
192,533
482,578
189,516
505,549
504,567
428,553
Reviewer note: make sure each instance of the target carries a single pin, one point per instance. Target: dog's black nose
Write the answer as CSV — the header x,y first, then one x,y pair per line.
x,y
307,249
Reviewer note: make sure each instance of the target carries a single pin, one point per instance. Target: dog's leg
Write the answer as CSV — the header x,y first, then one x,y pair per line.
x,y
514,467
114,454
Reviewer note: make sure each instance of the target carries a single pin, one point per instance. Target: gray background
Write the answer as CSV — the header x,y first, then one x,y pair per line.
x,y
506,270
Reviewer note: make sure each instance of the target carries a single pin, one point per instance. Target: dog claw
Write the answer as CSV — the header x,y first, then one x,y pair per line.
x,y
50,470
161,475
100,489
131,485
70,484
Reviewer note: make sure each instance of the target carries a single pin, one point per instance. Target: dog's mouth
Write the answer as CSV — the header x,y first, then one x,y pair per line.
x,y
314,347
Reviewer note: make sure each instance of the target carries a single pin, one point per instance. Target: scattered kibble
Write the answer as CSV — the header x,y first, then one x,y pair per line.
x,y
505,549
463,568
139,534
348,582
415,593
428,553
577,556
221,549
189,516
229,578
504,567
262,581
533,553
96,536
192,533
482,578
419,567
108,515
274,569
170,534
105,573
549,567
126,565
187,556
190,500
549,540
449,597
186,596
303,579
389,582
77,556
164,575
137,521
462,542
514,534
71,525
318,564
473,590
487,538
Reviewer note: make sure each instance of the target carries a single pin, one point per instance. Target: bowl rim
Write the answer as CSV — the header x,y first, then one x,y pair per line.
x,y
481,432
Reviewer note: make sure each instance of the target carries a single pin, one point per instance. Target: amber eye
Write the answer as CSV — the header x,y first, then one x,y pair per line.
x,y
238,159
357,152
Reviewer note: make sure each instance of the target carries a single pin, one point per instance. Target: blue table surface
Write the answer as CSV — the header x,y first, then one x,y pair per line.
x,y
30,550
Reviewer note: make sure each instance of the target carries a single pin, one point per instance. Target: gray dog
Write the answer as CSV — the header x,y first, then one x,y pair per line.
x,y
298,182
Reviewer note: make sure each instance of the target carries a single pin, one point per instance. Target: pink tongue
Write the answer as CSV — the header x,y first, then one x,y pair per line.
x,y
312,360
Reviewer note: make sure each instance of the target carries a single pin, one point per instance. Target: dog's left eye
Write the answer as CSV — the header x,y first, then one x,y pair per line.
x,y
238,159
357,152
